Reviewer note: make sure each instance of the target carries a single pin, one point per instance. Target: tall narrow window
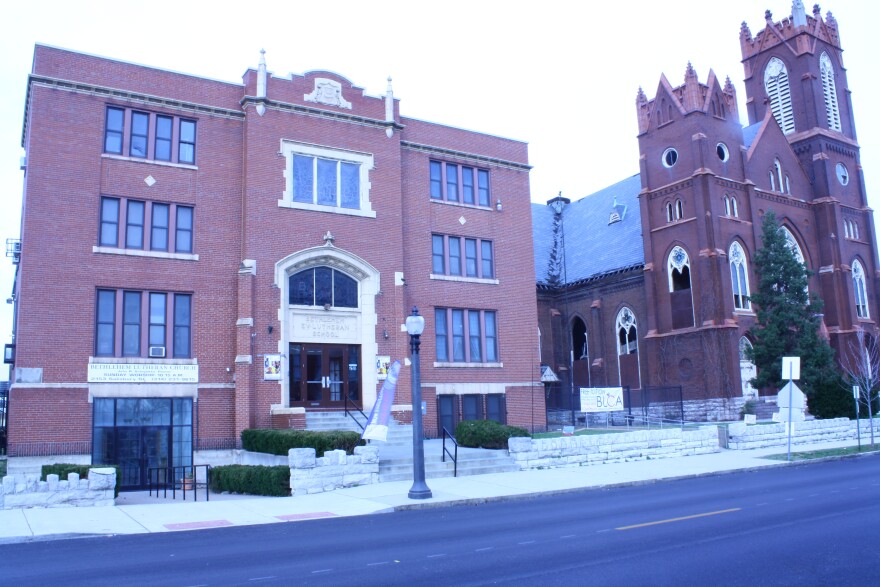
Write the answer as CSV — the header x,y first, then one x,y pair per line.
x,y
436,180
779,94
860,290
458,349
726,206
679,210
778,167
115,128
733,207
164,125
470,257
670,214
441,339
467,185
681,299
483,186
134,227
109,236
158,319
451,182
105,323
140,124
183,237
131,324
159,228
487,259
438,258
475,339
491,337
739,277
454,256
627,348
829,91
182,325
187,144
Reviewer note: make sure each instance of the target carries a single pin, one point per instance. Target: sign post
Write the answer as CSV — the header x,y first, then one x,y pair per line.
x,y
791,365
858,422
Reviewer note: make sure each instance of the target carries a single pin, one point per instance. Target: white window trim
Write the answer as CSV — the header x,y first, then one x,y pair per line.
x,y
829,91
737,256
779,93
861,293
364,161
461,279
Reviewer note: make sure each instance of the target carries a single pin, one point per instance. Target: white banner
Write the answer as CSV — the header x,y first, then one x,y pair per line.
x,y
601,399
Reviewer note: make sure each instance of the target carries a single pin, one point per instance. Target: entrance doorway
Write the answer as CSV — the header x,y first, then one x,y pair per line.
x,y
139,434
325,375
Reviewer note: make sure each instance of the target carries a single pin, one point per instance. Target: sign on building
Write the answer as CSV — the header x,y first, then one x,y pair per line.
x,y
142,373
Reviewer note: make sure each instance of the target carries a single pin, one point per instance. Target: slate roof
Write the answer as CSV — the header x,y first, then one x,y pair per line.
x,y
593,247
749,134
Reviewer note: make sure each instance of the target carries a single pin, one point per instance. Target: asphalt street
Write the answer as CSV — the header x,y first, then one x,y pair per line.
x,y
815,524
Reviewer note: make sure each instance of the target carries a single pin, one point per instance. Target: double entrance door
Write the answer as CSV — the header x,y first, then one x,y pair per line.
x,y
325,375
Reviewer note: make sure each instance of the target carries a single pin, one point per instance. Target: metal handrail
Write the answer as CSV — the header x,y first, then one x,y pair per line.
x,y
184,476
356,421
446,452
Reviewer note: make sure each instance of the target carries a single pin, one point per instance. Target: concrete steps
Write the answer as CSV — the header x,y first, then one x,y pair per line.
x,y
334,421
396,462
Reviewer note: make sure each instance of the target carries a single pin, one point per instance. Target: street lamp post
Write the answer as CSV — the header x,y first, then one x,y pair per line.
x,y
415,325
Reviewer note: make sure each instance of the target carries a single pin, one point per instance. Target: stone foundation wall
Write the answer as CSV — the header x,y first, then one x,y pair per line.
x,y
743,437
332,471
572,451
29,492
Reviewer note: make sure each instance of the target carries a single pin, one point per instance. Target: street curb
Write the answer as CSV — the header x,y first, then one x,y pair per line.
x,y
533,495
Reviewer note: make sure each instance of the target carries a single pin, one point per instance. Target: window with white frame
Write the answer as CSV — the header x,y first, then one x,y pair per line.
x,y
779,94
739,277
627,333
327,180
829,92
860,290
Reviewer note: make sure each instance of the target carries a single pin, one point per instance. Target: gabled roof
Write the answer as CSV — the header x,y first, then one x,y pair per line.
x,y
749,134
593,246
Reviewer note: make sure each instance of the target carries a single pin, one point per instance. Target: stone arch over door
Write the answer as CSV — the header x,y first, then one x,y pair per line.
x,y
330,324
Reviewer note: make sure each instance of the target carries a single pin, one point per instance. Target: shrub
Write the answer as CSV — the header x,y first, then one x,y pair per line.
x,y
279,442
62,469
747,408
486,433
251,479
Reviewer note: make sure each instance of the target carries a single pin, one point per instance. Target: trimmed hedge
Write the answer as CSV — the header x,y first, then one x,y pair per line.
x,y
62,469
486,433
251,479
279,442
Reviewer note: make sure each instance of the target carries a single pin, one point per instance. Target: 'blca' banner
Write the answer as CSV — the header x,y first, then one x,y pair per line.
x,y
377,425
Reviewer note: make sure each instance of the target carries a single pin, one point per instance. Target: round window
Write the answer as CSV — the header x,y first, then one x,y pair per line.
x,y
670,157
723,153
842,174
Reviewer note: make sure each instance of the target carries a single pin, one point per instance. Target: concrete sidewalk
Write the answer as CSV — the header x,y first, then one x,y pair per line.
x,y
136,513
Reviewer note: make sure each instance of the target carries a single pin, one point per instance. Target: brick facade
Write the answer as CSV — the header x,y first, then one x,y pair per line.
x,y
249,236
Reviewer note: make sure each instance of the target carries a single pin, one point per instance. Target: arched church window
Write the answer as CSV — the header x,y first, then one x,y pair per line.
x,y
627,334
733,207
670,213
679,210
323,286
681,298
794,246
860,290
829,91
726,206
779,94
778,167
772,181
739,277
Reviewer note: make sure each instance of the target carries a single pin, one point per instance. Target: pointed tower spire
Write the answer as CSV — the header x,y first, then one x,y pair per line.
x,y
798,13
642,110
261,82
389,108
692,96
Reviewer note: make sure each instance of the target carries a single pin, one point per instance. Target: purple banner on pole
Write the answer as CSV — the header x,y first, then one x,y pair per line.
x,y
380,416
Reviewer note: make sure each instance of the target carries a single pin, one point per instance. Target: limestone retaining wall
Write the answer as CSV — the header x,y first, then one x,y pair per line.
x,y
569,451
335,469
743,437
30,492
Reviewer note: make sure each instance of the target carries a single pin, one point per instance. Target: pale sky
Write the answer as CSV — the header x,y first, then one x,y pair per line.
x,y
561,76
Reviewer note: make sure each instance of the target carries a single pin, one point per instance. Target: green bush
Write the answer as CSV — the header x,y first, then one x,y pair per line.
x,y
486,433
251,479
62,469
279,442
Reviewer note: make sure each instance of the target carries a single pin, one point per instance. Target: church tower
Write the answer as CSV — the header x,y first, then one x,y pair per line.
x,y
693,193
794,71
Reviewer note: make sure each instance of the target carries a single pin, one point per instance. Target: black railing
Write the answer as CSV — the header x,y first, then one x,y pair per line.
x,y
184,478
350,413
452,456
4,404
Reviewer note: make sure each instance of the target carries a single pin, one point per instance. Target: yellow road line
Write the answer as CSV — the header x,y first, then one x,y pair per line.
x,y
678,519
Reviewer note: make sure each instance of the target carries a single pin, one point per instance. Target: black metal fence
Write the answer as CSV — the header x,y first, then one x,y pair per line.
x,y
654,404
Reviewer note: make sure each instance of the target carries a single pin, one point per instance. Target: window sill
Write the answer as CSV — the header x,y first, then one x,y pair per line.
x,y
142,361
150,161
464,279
738,312
461,205
328,209
468,365
142,253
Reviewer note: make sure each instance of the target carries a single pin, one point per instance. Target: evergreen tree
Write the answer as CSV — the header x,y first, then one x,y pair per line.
x,y
788,322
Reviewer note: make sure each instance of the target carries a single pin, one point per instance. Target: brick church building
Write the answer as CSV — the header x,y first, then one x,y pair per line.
x,y
231,256
646,283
